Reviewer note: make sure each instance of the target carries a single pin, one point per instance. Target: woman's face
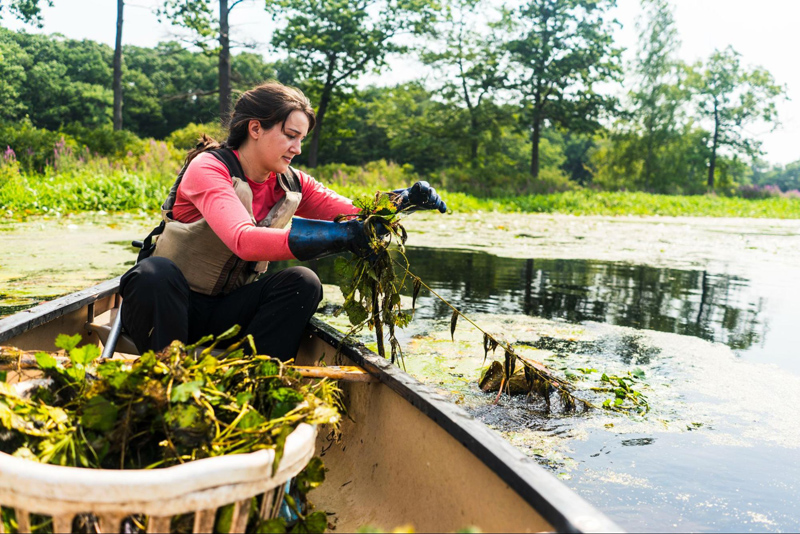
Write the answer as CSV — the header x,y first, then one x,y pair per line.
x,y
275,148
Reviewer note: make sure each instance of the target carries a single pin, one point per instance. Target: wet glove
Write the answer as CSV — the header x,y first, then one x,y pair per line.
x,y
310,239
420,196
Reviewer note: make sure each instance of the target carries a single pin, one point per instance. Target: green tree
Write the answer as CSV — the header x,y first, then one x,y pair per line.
x,y
65,80
198,16
732,98
174,87
559,49
416,127
28,11
660,94
12,72
333,43
787,178
470,66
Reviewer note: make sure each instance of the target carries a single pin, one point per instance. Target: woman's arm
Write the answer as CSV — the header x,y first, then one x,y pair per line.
x,y
321,203
206,191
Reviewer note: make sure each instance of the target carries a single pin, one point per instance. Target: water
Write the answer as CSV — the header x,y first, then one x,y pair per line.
x,y
738,312
719,450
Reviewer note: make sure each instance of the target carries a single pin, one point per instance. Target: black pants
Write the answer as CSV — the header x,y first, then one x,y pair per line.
x,y
159,307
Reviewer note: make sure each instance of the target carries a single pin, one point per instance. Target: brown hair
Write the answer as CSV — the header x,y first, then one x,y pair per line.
x,y
269,103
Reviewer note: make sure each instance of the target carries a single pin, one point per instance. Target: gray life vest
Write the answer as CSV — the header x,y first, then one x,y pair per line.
x,y
209,266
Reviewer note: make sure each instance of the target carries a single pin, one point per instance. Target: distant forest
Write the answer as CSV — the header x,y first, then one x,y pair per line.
x,y
516,100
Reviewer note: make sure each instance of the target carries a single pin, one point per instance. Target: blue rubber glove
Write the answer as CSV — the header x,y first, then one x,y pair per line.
x,y
420,196
310,239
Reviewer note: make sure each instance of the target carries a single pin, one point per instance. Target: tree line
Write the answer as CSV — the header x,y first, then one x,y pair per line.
x,y
518,97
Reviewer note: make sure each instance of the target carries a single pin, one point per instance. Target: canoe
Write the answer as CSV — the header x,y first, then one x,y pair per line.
x,y
406,457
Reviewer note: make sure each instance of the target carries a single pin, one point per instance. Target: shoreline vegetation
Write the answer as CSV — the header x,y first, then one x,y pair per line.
x,y
76,182
52,173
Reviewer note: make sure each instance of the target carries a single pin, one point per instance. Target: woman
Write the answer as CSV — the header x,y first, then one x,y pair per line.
x,y
227,216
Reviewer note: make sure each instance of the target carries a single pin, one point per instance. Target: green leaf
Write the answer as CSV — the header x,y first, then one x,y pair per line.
x,y
112,372
147,360
99,414
84,355
284,400
184,392
618,402
63,341
225,518
46,361
208,364
243,397
76,373
229,333
269,368
251,419
184,416
314,523
356,312
272,526
638,373
312,476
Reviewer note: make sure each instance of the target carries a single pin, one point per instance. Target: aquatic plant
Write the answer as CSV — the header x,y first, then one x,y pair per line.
x,y
368,282
538,378
165,408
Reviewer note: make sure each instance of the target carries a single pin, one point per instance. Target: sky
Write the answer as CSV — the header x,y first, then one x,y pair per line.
x,y
764,32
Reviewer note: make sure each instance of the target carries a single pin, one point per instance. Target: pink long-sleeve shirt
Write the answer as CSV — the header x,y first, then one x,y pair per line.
x,y
206,191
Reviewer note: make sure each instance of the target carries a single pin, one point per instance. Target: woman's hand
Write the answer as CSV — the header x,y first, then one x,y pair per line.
x,y
420,196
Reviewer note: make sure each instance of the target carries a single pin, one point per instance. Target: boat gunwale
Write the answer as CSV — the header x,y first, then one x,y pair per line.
x,y
25,320
562,507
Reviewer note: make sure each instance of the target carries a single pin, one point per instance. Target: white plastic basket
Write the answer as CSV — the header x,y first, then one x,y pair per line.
x,y
199,487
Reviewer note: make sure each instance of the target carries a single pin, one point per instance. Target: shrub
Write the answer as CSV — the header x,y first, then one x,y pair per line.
x,y
187,137
34,147
498,181
105,141
764,191
378,175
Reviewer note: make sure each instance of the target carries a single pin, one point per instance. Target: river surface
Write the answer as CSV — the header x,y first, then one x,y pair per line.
x,y
704,310
718,451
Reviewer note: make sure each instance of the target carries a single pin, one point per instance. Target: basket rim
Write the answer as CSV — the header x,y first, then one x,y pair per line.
x,y
23,477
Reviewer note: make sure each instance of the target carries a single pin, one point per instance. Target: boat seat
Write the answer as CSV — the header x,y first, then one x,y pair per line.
x,y
125,344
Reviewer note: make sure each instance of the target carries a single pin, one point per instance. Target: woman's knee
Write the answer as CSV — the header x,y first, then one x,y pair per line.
x,y
300,285
306,283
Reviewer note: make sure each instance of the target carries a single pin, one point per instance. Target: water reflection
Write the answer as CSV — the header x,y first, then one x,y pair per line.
x,y
715,307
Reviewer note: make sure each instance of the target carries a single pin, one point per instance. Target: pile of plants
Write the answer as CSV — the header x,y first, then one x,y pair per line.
x,y
163,409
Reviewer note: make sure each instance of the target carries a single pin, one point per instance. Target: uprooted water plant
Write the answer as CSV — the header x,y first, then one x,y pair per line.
x,y
371,290
369,284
